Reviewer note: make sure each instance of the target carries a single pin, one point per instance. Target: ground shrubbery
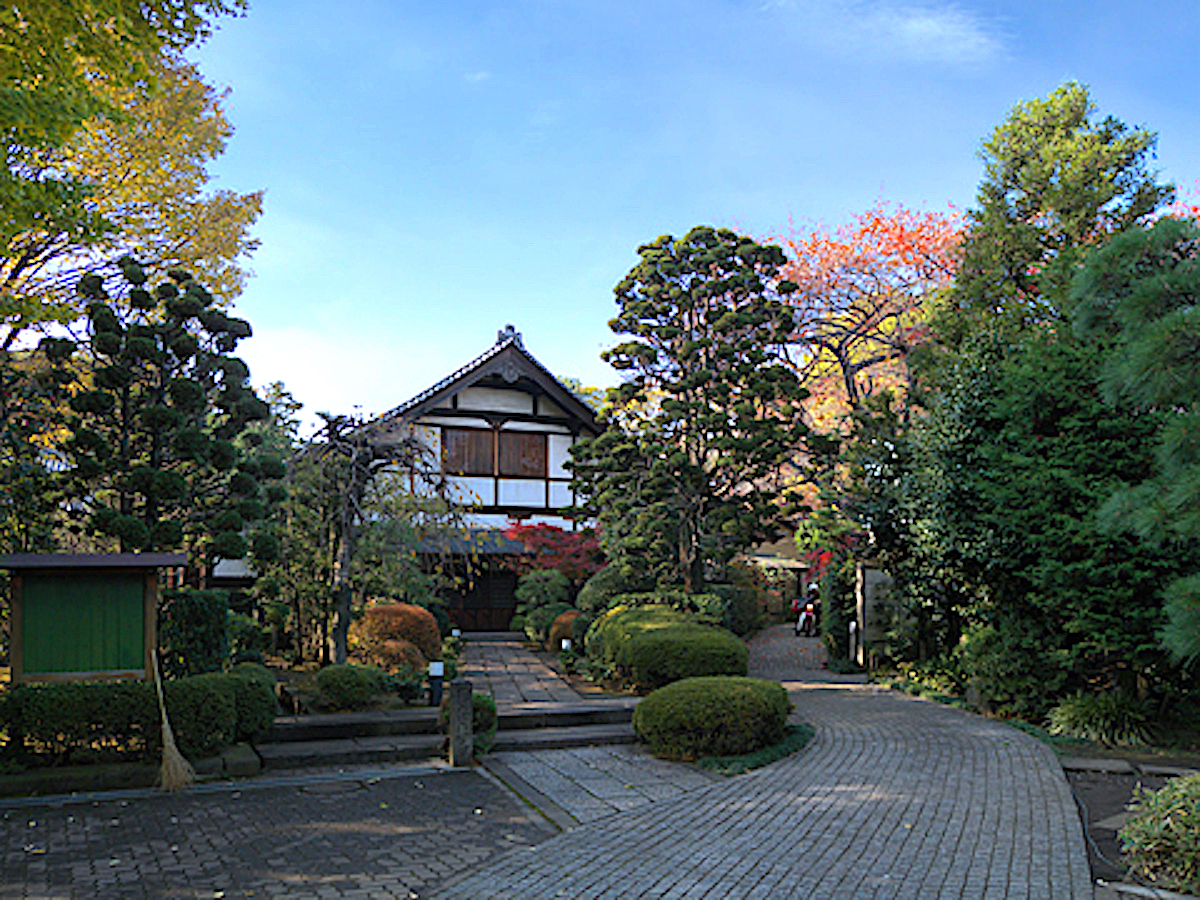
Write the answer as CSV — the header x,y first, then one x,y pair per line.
x,y
1162,839
609,632
1112,719
563,628
598,592
63,723
542,596
376,637
347,686
660,656
712,716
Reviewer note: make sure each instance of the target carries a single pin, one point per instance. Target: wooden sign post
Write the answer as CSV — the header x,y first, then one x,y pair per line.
x,y
84,616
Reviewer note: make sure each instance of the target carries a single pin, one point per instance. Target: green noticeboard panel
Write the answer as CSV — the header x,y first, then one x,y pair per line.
x,y
83,622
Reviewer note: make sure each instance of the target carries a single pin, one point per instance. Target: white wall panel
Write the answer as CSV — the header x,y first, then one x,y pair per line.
x,y
455,422
522,493
495,400
560,452
536,426
496,521
560,494
472,491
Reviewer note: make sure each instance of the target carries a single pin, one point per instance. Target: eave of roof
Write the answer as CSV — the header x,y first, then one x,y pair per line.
x,y
508,345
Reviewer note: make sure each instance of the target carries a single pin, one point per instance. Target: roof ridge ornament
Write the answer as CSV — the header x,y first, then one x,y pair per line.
x,y
509,333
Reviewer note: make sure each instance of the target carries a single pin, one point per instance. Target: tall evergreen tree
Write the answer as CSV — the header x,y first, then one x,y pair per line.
x,y
156,406
691,469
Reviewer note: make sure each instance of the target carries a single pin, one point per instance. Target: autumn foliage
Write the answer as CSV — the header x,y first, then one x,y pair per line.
x,y
380,635
862,298
576,554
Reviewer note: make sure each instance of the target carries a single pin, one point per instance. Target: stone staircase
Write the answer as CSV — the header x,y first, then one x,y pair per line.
x,y
386,736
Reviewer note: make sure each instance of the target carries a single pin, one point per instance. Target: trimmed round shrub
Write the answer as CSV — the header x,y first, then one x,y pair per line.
x,y
563,627
537,623
395,655
659,657
612,630
598,592
1162,839
397,621
1111,719
255,700
541,596
348,686
203,711
717,715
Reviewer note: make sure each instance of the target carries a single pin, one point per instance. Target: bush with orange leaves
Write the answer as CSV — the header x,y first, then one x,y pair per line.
x,y
394,633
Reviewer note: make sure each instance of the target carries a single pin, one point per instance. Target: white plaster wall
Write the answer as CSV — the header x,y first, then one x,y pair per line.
x,y
536,426
232,568
559,452
494,399
560,494
455,422
514,492
497,521
558,521
471,491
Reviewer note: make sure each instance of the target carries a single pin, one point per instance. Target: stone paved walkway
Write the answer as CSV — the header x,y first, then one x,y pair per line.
x,y
386,834
513,675
895,798
590,783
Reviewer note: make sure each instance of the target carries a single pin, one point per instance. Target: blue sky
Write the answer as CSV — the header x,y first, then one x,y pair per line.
x,y
437,170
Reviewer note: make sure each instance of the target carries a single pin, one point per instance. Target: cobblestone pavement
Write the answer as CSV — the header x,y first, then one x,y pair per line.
x,y
590,783
895,798
513,675
383,836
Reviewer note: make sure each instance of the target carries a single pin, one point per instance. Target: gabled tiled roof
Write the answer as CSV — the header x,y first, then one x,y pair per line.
x,y
508,342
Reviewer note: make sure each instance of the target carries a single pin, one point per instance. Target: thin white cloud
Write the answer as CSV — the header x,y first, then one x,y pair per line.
x,y
931,34
937,33
476,77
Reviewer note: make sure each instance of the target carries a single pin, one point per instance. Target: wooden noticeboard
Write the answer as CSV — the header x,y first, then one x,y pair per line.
x,y
84,616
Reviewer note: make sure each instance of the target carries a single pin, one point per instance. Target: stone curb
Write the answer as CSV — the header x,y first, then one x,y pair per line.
x,y
1136,890
561,819
226,787
1121,767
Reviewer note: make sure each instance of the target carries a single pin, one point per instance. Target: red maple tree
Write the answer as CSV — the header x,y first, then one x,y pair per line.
x,y
576,554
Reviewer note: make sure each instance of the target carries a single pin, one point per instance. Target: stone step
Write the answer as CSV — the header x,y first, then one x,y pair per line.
x,y
350,751
407,747
418,720
559,738
336,726
565,715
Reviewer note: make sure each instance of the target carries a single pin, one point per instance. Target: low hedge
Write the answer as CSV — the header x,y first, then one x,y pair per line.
x,y
611,631
348,686
1162,838
658,657
203,711
255,700
122,720
712,716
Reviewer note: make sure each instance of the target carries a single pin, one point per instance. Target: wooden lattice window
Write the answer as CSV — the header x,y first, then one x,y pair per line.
x,y
522,454
467,451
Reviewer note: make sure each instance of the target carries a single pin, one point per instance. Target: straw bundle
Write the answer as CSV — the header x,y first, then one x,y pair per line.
x,y
177,772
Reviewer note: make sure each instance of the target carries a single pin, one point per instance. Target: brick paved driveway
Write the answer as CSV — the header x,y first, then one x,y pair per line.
x,y
368,837
895,798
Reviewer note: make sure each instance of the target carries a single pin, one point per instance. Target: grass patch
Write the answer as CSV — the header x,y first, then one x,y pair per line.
x,y
795,737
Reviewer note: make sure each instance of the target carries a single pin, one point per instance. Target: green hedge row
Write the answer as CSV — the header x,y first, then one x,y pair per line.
x,y
714,716
658,657
207,712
